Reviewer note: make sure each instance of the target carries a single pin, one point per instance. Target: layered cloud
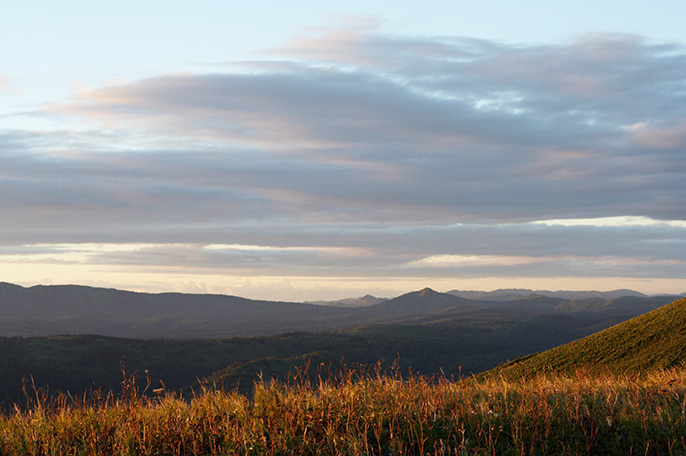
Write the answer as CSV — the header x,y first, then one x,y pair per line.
x,y
351,153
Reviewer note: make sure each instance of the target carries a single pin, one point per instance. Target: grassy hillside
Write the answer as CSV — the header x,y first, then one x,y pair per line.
x,y
656,339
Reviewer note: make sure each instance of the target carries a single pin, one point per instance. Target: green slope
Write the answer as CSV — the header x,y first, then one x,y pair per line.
x,y
654,340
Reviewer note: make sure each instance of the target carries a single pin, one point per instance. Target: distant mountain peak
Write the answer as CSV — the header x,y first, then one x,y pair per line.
x,y
426,291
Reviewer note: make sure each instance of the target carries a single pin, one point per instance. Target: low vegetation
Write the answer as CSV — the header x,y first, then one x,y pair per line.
x,y
368,412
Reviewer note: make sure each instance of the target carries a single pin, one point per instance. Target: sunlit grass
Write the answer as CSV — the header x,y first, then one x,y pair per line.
x,y
368,413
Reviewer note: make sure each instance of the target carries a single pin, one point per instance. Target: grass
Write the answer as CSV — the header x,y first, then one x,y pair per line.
x,y
367,412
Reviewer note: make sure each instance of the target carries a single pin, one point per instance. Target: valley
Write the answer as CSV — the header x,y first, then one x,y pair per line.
x,y
69,338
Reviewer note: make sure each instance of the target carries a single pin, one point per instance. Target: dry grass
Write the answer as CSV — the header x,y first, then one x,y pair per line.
x,y
368,413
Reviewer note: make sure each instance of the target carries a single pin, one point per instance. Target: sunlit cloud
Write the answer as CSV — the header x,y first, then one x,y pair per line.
x,y
615,221
66,253
473,260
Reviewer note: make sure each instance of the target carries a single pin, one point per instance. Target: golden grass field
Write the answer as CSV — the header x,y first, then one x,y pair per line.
x,y
360,413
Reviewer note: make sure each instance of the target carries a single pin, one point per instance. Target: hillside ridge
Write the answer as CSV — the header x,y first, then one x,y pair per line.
x,y
654,340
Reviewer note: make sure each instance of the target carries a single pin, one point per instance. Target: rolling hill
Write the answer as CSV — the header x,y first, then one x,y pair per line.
x,y
653,340
71,309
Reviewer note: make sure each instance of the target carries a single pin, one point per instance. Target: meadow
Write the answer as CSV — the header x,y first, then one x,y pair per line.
x,y
361,412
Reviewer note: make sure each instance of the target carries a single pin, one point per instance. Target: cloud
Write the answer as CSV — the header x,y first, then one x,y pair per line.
x,y
615,221
372,251
7,87
660,137
352,153
443,132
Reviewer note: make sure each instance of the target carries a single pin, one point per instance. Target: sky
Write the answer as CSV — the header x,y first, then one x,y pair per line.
x,y
311,150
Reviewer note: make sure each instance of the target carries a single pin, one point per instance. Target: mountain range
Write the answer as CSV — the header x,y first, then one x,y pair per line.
x,y
71,309
513,294
74,338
